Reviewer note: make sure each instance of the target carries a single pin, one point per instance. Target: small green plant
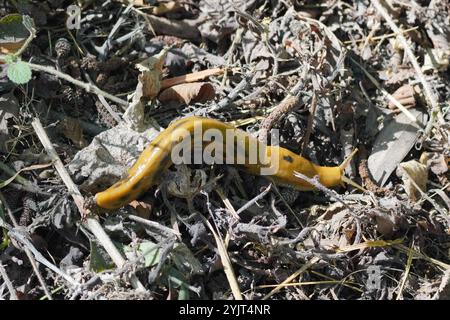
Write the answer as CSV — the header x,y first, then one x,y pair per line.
x,y
18,72
12,25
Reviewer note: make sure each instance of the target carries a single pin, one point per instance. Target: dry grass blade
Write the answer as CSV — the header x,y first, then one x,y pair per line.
x,y
226,262
34,167
370,244
12,291
227,203
420,255
406,273
280,286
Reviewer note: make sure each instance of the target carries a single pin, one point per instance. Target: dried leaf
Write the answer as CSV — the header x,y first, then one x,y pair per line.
x,y
150,77
418,173
188,93
388,219
436,162
191,77
392,144
108,156
12,33
405,95
148,87
436,59
72,130
143,209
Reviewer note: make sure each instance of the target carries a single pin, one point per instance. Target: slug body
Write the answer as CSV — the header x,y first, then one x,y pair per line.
x,y
279,163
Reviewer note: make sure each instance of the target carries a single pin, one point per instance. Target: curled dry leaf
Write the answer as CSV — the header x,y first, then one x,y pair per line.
x,y
435,161
406,95
436,59
12,33
151,73
185,183
148,87
416,171
189,93
191,77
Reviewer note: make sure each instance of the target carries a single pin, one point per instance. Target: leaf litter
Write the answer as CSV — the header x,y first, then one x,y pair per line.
x,y
213,232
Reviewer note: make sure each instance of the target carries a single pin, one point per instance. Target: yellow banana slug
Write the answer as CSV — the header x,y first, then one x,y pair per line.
x,y
229,144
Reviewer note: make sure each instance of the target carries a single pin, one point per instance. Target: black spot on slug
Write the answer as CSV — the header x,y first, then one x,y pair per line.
x,y
288,159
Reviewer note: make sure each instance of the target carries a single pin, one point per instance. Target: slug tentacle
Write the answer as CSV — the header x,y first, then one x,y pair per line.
x,y
235,146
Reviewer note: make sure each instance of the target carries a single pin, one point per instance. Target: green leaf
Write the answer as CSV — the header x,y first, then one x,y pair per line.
x,y
178,280
100,260
19,72
185,261
5,241
28,23
151,252
10,59
12,28
183,293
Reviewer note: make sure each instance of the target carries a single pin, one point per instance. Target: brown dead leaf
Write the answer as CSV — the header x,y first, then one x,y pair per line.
x,y
148,87
416,171
191,77
151,73
72,130
435,161
189,93
405,95
143,209
388,219
11,47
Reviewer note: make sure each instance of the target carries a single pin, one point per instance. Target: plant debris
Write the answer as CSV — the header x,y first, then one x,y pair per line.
x,y
79,104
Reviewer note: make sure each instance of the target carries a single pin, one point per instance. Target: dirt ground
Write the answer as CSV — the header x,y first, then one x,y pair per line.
x,y
87,86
